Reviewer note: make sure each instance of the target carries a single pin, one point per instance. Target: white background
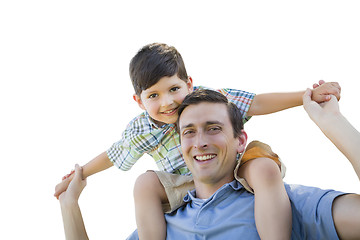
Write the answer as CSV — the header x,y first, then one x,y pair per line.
x,y
66,96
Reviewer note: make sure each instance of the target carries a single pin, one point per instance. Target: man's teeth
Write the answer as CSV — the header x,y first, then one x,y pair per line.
x,y
204,157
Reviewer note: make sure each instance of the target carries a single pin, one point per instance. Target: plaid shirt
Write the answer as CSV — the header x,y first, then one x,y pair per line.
x,y
142,135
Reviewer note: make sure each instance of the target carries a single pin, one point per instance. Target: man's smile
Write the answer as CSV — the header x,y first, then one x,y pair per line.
x,y
204,157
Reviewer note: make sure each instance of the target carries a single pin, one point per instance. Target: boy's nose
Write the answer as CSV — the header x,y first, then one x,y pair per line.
x,y
166,101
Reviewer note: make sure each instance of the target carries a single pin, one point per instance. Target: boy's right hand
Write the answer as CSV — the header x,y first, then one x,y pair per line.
x,y
63,185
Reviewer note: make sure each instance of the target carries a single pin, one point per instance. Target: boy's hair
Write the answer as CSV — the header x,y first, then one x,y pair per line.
x,y
154,61
211,96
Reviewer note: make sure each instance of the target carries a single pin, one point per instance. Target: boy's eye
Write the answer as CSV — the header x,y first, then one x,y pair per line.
x,y
154,95
174,89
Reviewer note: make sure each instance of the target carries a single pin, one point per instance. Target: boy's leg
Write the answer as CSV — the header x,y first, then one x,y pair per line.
x,y
149,196
272,206
156,193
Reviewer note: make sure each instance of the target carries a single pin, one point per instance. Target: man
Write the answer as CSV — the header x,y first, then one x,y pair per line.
x,y
219,207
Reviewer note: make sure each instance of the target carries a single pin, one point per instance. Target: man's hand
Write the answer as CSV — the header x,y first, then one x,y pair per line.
x,y
323,90
63,185
73,222
317,112
74,189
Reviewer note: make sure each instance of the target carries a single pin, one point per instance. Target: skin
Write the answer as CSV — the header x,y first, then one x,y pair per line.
x,y
346,208
209,146
167,95
161,102
162,99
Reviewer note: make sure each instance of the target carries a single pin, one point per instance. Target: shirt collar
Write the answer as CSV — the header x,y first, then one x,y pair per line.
x,y
190,196
153,124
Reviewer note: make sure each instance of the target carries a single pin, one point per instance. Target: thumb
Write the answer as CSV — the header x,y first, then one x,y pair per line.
x,y
307,96
78,172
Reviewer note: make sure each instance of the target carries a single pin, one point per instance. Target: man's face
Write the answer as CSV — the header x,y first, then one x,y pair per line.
x,y
162,100
208,143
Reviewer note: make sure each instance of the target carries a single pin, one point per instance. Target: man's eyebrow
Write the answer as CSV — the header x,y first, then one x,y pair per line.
x,y
214,122
206,124
187,126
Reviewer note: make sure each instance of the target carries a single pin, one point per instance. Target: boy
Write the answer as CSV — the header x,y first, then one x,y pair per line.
x,y
161,83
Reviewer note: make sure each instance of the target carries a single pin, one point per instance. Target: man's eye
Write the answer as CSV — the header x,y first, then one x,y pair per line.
x,y
174,89
214,129
154,95
188,132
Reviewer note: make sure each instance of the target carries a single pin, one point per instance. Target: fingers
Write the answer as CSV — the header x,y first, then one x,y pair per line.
x,y
321,82
336,90
68,175
307,97
315,85
61,187
323,98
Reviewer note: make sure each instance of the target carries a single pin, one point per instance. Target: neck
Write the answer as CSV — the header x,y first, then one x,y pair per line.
x,y
206,190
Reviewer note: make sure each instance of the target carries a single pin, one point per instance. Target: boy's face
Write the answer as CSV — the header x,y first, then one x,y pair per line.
x,y
163,99
208,143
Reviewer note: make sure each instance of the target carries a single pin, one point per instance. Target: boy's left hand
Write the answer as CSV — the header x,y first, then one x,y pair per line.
x,y
322,92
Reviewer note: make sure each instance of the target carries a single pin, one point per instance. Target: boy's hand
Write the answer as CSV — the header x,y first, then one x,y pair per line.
x,y
61,187
322,92
68,175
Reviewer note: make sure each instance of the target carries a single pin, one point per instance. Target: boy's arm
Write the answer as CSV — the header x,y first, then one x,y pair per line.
x,y
273,102
96,165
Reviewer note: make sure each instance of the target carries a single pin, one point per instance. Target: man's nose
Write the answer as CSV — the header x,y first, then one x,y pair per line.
x,y
201,141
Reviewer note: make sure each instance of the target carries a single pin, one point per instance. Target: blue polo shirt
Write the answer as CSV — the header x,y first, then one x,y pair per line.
x,y
229,214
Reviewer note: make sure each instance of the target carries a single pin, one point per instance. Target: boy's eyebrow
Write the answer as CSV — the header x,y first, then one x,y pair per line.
x,y
149,91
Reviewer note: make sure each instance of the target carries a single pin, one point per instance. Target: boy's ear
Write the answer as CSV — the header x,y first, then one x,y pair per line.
x,y
190,84
138,101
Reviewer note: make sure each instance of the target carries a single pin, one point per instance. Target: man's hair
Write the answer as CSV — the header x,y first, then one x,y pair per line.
x,y
211,96
154,61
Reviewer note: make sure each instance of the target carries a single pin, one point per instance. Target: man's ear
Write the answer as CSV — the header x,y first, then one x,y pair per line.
x,y
242,141
138,101
189,84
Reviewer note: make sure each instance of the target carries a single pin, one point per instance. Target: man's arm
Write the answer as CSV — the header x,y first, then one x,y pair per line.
x,y
73,222
273,102
335,126
346,208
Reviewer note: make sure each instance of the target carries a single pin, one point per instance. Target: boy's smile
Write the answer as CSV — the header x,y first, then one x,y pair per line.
x,y
162,100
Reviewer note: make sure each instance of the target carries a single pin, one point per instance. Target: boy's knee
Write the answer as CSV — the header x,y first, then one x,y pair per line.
x,y
147,182
266,169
